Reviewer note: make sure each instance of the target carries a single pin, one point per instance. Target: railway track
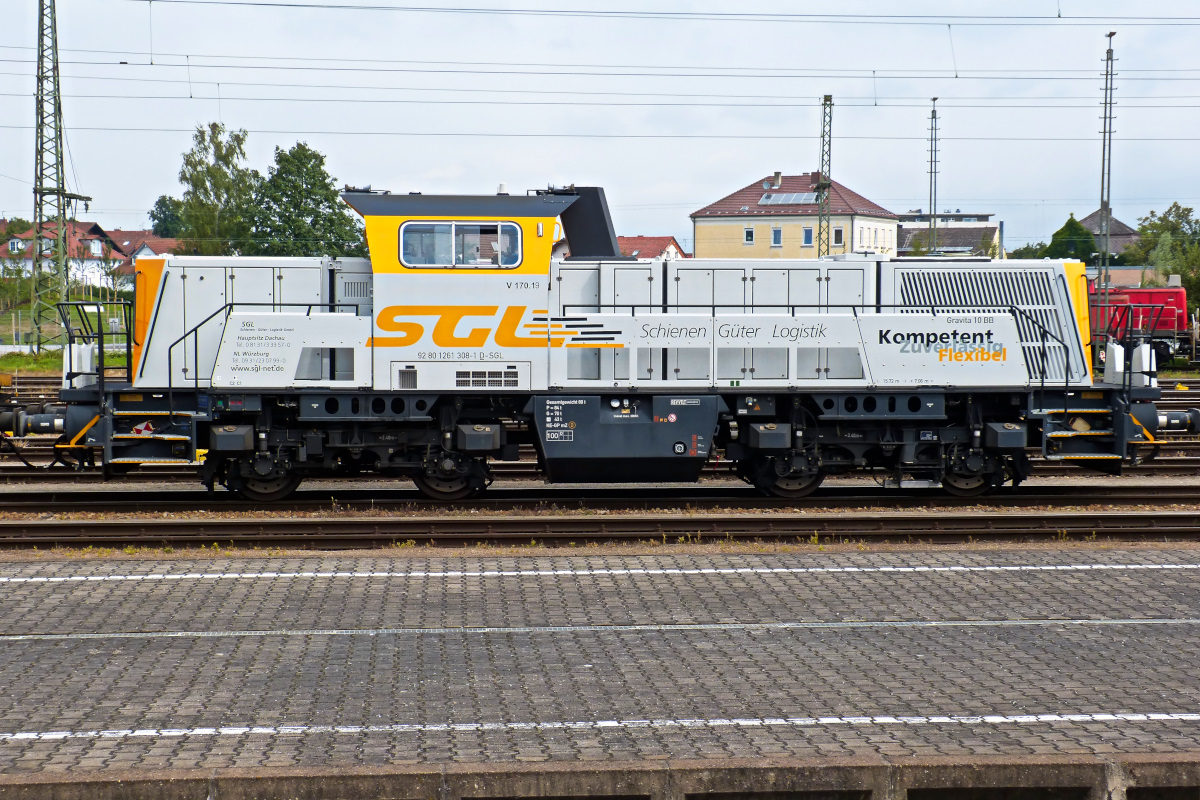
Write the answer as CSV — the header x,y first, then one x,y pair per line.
x,y
1179,456
334,532
13,473
391,499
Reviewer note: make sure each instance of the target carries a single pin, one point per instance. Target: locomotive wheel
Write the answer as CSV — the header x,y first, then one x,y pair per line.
x,y
437,487
795,486
268,490
961,485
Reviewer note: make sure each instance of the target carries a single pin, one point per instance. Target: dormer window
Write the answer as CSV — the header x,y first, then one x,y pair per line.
x,y
97,247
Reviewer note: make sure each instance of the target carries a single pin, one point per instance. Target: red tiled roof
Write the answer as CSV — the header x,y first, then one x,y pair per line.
x,y
79,236
130,241
745,202
647,246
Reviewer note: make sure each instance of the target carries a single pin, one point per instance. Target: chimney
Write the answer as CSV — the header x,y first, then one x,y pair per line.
x,y
778,180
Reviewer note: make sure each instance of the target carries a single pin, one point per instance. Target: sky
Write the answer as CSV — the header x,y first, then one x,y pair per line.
x,y
669,105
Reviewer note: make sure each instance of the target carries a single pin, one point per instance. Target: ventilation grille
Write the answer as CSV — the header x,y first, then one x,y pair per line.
x,y
406,379
486,379
1032,291
356,290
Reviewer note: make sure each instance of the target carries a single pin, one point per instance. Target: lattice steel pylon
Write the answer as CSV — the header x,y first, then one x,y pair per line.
x,y
933,172
51,272
1106,178
824,184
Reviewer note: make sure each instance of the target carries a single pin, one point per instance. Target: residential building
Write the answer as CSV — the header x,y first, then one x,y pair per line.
x,y
135,245
91,252
776,217
1120,235
664,247
959,233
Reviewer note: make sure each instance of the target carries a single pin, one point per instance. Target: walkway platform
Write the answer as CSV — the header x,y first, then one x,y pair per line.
x,y
884,675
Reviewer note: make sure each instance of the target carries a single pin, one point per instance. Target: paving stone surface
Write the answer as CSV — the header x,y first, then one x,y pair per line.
x,y
360,661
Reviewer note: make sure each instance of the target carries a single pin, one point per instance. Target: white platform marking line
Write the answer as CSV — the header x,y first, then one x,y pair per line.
x,y
542,629
600,725
592,572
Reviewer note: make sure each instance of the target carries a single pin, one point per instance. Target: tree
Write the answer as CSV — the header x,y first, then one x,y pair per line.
x,y
1170,243
167,217
297,211
1028,251
218,191
987,245
1072,240
919,244
16,225
1177,221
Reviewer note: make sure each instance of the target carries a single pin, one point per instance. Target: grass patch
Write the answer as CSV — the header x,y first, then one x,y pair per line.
x,y
48,362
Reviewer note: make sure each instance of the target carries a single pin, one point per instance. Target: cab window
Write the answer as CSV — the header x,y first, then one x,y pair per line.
x,y
463,245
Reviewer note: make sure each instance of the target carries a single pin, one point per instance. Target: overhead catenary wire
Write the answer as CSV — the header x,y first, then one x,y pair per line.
x,y
578,103
597,135
810,72
574,91
643,71
1020,20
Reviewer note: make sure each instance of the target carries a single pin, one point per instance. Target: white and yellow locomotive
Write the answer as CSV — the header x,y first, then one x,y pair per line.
x,y
461,339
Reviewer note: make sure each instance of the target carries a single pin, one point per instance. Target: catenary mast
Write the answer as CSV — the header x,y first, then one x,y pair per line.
x,y
1106,180
824,183
49,260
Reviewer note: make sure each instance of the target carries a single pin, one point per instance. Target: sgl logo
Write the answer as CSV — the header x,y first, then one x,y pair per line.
x,y
466,326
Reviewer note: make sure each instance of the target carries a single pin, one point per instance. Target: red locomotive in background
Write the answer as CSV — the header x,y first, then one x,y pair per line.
x,y
1159,313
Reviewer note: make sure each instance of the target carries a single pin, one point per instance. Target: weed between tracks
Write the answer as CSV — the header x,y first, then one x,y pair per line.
x,y
697,546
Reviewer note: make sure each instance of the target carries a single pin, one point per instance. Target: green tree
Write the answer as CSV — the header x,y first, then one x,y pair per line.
x,y
1177,221
919,244
1072,240
297,211
16,225
988,246
166,217
218,190
1028,251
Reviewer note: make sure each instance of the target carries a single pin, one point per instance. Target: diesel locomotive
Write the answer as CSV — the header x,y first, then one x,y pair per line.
x,y
461,339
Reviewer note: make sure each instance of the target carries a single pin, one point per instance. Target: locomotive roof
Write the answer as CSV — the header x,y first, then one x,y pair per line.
x,y
370,204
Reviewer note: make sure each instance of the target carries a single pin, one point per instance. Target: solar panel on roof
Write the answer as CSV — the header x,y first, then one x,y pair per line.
x,y
788,198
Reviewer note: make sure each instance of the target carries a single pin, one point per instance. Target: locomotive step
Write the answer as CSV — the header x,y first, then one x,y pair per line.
x,y
1045,412
1067,434
176,461
1083,457
126,413
170,437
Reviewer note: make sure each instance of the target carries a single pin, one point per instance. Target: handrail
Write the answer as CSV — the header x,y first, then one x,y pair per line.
x,y
87,332
136,273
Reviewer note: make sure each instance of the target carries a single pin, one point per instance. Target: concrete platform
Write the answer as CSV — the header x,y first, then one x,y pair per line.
x,y
650,676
